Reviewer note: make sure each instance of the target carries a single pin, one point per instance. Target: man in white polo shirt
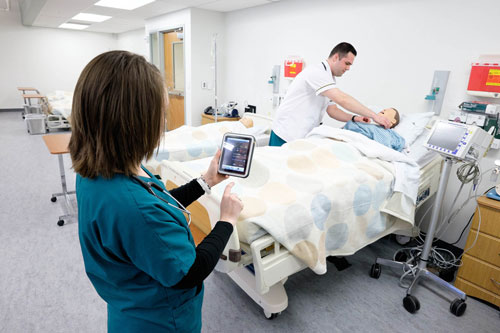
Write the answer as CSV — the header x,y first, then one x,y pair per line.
x,y
314,92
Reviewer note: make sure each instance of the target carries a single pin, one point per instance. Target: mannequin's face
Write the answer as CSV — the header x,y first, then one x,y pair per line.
x,y
389,114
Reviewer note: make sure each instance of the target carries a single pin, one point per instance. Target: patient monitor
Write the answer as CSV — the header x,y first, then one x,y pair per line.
x,y
459,141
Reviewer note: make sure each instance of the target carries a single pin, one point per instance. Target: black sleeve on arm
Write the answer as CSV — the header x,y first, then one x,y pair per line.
x,y
207,255
188,193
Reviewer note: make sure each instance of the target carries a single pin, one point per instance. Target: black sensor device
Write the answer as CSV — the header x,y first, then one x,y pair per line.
x,y
236,154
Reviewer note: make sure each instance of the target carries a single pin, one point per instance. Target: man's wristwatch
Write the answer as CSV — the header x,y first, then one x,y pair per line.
x,y
353,119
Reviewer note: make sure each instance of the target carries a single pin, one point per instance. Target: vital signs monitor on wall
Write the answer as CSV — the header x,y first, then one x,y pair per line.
x,y
461,141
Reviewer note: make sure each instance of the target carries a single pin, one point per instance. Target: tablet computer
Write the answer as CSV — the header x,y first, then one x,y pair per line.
x,y
236,154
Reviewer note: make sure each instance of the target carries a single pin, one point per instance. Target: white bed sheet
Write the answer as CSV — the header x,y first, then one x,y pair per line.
x,y
60,103
419,153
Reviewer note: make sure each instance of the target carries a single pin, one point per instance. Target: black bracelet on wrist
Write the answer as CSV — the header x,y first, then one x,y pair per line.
x,y
352,119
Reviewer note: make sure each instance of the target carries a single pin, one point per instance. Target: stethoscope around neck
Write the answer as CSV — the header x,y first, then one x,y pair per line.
x,y
149,187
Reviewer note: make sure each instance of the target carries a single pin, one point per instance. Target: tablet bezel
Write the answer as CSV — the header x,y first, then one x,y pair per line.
x,y
251,138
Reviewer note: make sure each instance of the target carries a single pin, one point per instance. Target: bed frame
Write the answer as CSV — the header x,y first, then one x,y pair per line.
x,y
262,267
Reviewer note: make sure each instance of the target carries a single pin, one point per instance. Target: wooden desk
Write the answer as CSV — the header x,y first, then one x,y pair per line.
x,y
479,276
207,119
57,144
33,96
30,96
23,89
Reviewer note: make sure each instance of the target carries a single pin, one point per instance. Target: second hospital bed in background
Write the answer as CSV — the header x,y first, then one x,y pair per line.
x,y
188,143
293,219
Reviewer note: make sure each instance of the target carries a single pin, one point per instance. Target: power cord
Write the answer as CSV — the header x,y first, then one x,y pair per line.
x,y
443,258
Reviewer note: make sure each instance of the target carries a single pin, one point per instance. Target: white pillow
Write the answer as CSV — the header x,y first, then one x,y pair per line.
x,y
412,125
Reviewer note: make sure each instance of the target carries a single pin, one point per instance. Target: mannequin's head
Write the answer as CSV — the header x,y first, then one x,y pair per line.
x,y
392,114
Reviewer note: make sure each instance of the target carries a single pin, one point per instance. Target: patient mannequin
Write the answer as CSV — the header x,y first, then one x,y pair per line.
x,y
247,122
387,137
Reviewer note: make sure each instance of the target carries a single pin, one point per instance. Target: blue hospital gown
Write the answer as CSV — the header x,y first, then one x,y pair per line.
x,y
387,137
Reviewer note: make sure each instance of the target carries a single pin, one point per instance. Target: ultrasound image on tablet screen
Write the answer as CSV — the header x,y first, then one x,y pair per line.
x,y
235,154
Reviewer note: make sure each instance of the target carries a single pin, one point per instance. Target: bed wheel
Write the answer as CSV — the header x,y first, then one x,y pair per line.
x,y
411,304
270,316
457,307
60,223
375,271
53,199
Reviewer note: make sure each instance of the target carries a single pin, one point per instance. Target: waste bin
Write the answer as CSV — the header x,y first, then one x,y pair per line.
x,y
28,109
35,123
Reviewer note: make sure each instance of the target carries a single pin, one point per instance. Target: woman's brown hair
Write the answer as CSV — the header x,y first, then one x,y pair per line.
x,y
117,115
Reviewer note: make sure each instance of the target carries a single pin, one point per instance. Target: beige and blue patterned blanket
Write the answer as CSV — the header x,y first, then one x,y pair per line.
x,y
316,196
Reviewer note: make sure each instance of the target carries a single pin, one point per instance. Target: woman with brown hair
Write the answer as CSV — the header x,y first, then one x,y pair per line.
x,y
137,247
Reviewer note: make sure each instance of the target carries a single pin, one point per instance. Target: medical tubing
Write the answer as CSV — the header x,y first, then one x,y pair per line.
x,y
478,181
447,217
463,230
470,220
467,172
423,216
477,233
454,214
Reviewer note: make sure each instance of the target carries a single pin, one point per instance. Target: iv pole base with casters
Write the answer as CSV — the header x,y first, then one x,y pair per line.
x,y
410,302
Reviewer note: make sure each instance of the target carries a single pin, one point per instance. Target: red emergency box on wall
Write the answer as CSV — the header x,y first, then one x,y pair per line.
x,y
484,79
293,66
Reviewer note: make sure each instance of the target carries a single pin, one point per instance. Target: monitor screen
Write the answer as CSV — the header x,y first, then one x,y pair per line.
x,y
235,155
447,135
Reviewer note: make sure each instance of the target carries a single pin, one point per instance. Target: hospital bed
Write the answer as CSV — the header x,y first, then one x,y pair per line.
x,y
189,143
259,261
57,107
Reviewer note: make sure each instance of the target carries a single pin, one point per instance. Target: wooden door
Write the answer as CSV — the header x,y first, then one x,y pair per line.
x,y
175,110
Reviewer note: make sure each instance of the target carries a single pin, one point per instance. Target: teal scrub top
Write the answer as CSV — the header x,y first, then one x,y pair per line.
x,y
135,248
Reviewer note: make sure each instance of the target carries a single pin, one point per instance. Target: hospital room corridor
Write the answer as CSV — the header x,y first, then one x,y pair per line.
x,y
43,286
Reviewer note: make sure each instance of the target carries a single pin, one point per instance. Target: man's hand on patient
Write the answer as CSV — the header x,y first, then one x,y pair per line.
x,y
382,121
360,119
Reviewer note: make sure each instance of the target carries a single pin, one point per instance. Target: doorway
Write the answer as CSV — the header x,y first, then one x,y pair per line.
x,y
167,53
173,51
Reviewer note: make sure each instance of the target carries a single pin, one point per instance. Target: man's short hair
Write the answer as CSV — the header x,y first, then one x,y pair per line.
x,y
342,50
118,115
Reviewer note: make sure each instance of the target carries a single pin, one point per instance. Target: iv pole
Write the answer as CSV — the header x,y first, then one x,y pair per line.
x,y
215,75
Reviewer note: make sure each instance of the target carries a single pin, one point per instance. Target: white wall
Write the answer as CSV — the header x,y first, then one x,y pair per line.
x,y
134,41
204,24
47,59
399,42
199,26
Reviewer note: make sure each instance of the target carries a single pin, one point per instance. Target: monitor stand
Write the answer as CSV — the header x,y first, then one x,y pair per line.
x,y
410,302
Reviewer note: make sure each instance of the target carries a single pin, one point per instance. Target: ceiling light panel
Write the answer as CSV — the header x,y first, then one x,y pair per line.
x,y
123,4
90,17
73,26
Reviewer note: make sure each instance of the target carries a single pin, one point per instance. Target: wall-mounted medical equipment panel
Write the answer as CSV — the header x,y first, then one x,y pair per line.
x,y
484,79
293,66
